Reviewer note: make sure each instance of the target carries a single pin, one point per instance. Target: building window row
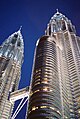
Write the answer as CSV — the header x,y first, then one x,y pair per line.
x,y
44,107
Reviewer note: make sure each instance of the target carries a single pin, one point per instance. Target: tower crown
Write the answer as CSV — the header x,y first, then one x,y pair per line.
x,y
13,47
16,39
59,22
59,16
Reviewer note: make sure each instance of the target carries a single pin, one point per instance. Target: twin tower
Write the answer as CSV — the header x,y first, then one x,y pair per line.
x,y
54,91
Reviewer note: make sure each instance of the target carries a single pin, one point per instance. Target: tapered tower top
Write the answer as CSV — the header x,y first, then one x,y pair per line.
x,y
59,22
15,39
13,47
59,16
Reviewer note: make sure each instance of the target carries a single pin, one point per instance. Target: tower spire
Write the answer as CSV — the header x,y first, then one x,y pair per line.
x,y
20,29
57,11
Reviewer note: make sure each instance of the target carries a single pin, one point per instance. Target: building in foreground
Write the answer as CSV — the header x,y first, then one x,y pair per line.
x,y
11,59
55,83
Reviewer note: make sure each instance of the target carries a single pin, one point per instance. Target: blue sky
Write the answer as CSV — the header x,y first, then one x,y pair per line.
x,y
33,15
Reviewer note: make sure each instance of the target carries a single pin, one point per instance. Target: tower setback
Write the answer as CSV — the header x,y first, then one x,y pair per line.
x,y
11,59
55,83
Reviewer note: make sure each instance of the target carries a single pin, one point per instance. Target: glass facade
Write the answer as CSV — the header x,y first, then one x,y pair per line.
x,y
11,58
45,93
55,83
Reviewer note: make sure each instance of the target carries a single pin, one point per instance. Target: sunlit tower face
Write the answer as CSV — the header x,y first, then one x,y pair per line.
x,y
55,84
11,59
68,53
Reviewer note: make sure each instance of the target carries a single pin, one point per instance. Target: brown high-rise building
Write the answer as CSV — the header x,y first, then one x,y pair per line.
x,y
55,83
11,59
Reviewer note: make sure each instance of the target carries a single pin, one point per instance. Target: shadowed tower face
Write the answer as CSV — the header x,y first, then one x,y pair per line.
x,y
55,83
11,59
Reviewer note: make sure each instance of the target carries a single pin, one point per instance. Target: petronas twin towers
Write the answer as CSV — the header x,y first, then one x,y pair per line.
x,y
54,91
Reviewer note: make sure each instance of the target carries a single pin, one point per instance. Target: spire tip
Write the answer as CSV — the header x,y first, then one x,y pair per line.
x,y
57,11
20,28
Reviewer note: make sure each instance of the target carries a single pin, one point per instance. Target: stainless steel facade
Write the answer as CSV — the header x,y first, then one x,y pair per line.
x,y
55,83
45,85
11,58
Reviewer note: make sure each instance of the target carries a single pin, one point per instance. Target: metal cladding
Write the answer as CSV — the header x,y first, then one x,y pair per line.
x,y
59,23
55,83
13,47
43,98
11,58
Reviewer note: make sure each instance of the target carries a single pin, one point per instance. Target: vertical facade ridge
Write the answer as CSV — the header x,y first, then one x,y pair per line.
x,y
11,59
55,84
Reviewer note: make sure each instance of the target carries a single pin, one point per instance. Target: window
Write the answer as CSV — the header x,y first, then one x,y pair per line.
x,y
45,89
18,44
63,26
34,108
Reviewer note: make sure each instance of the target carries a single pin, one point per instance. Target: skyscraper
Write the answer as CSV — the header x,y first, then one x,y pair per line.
x,y
55,83
11,59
